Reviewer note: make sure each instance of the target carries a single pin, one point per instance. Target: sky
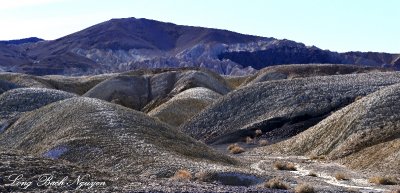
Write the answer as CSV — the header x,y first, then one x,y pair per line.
x,y
337,25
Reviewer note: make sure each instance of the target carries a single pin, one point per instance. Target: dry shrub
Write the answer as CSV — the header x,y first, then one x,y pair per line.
x,y
312,174
291,166
317,157
285,166
263,142
341,176
383,180
249,140
275,183
395,191
231,146
235,149
304,188
258,132
182,175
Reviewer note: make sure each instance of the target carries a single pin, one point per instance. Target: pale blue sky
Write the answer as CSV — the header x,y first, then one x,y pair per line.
x,y
338,25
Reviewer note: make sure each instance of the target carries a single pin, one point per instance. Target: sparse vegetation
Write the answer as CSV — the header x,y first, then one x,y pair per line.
x,y
263,142
285,166
203,176
235,149
182,175
304,188
312,174
231,146
383,180
395,191
249,140
258,133
275,183
341,176
317,157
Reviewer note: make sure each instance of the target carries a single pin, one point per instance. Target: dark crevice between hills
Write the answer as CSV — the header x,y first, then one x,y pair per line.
x,y
237,179
6,124
277,129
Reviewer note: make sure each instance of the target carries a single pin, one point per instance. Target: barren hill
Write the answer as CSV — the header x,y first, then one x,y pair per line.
x,y
363,135
281,108
89,131
193,130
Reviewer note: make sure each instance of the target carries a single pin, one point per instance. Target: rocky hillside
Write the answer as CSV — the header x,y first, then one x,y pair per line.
x,y
125,44
147,91
281,108
288,52
88,131
305,70
184,106
363,135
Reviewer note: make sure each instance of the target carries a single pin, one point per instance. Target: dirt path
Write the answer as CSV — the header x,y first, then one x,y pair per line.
x,y
325,172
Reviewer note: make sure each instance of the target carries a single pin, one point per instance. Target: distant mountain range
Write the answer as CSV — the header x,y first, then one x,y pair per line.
x,y
126,44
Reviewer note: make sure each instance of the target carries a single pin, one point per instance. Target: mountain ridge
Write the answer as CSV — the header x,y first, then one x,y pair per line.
x,y
124,44
22,41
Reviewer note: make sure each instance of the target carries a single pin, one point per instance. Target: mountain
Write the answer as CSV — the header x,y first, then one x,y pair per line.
x,y
22,41
125,44
289,52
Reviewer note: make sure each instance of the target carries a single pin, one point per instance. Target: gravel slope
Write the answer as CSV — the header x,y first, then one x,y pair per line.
x,y
286,106
364,135
145,91
15,102
185,105
6,85
307,70
93,132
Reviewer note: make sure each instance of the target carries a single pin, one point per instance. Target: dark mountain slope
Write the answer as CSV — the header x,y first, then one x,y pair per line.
x,y
10,57
374,57
132,33
288,52
22,41
118,44
283,54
